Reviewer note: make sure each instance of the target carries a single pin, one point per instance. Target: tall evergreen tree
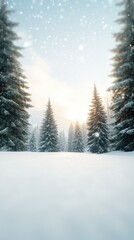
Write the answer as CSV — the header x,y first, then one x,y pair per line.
x,y
78,145
49,133
97,126
123,85
14,100
70,138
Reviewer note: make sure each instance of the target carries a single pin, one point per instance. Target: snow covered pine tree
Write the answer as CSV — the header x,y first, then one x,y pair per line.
x,y
70,138
123,85
97,139
78,145
14,100
32,143
49,134
62,141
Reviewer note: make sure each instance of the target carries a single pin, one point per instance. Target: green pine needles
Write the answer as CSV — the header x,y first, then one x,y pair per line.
x,y
49,133
14,99
97,141
123,85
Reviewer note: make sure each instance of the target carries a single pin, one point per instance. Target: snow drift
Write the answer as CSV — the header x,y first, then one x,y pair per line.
x,y
66,196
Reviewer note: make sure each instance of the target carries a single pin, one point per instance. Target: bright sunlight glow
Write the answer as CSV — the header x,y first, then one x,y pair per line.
x,y
77,116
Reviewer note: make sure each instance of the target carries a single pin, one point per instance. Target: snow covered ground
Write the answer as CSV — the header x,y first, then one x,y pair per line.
x,y
66,196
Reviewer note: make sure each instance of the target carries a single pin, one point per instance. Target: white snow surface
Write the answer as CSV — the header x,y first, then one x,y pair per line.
x,y
66,196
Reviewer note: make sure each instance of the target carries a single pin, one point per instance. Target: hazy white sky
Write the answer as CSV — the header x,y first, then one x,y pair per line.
x,y
67,49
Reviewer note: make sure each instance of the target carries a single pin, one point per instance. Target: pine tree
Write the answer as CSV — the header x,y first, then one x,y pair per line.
x,y
62,142
49,134
14,100
32,143
78,145
84,135
70,138
97,126
123,85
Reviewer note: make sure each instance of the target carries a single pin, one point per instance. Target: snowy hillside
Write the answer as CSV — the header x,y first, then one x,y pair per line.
x,y
64,196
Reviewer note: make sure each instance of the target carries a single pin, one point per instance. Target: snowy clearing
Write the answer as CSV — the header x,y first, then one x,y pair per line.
x,y
66,196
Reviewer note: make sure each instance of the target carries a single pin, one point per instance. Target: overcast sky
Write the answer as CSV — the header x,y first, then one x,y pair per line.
x,y
67,47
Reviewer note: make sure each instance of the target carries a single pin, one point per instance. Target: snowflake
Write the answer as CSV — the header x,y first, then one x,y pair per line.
x,y
97,134
81,47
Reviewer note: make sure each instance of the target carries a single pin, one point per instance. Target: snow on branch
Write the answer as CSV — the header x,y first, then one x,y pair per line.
x,y
4,131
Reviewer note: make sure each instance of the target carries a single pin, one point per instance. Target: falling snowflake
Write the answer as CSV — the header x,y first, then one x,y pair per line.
x,y
97,134
81,47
